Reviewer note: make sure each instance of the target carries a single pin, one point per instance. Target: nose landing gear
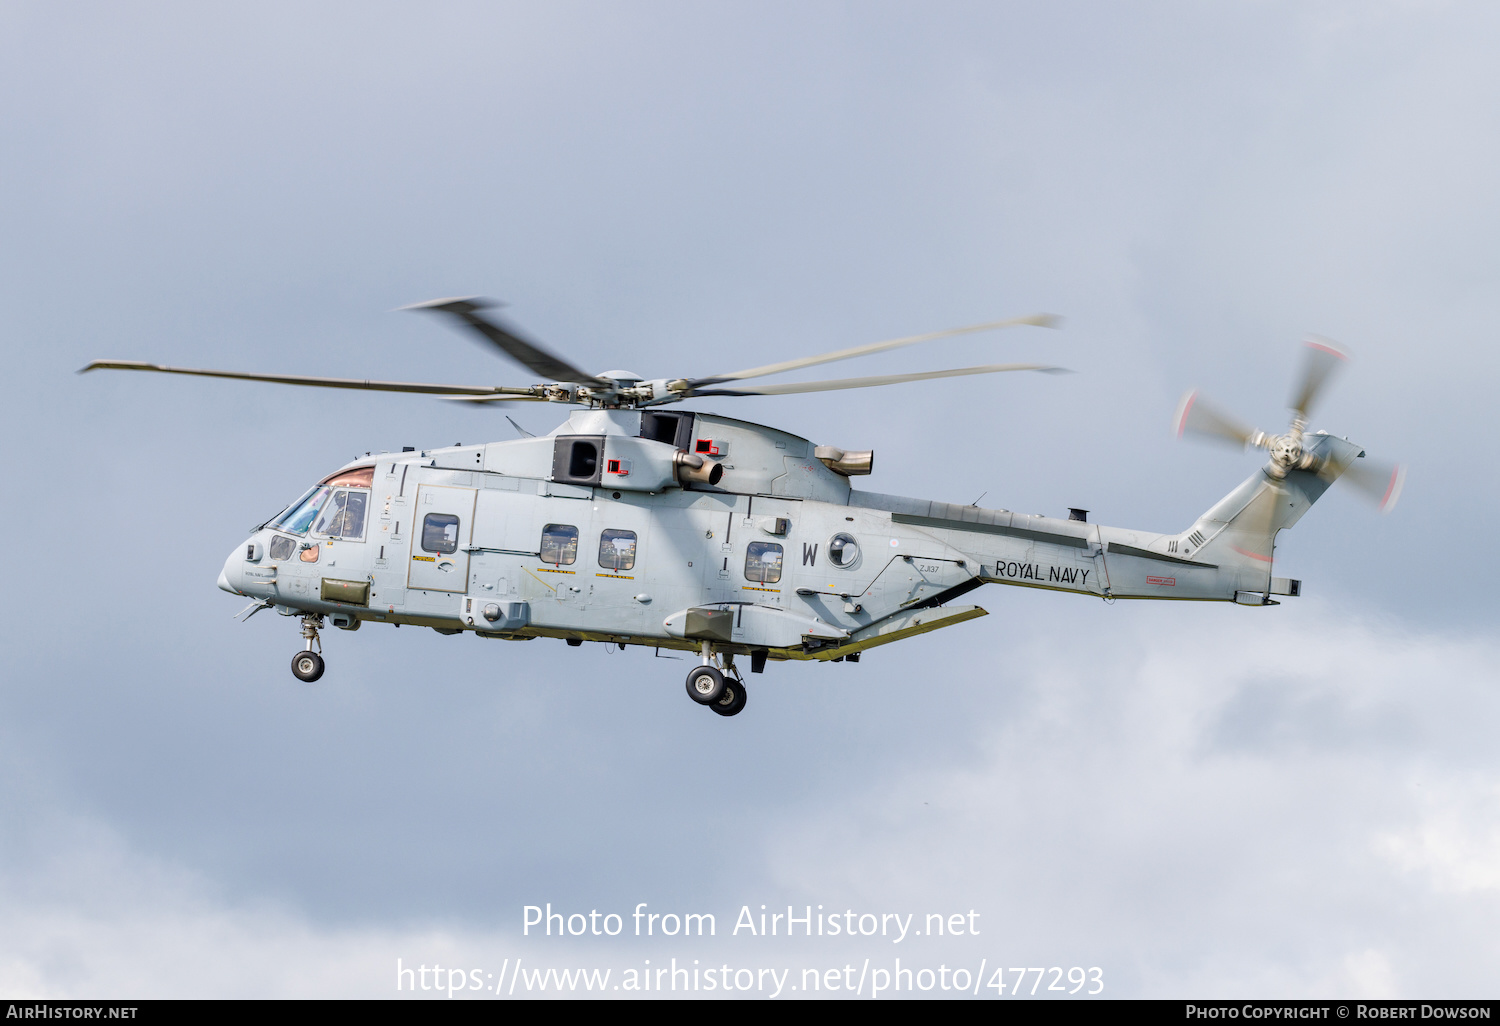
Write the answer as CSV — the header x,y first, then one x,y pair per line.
x,y
307,665
708,685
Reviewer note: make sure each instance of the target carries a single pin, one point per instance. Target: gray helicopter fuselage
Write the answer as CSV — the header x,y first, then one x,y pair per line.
x,y
600,531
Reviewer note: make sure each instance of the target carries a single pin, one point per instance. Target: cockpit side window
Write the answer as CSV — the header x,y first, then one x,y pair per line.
x,y
344,515
353,527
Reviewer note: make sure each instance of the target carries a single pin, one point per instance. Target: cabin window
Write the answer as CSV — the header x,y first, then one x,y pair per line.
x,y
559,544
440,532
763,562
843,551
281,547
617,550
343,516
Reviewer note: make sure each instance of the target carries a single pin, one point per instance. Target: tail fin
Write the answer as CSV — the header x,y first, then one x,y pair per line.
x,y
1239,532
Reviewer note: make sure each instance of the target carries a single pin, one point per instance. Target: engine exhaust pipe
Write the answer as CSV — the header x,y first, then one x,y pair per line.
x,y
694,469
849,464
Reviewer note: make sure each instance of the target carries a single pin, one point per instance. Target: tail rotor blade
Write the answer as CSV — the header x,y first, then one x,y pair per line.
x,y
1253,529
1378,481
1323,358
1199,417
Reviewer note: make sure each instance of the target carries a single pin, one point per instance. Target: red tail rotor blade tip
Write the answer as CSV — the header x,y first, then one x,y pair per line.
x,y
1327,347
1393,489
1182,411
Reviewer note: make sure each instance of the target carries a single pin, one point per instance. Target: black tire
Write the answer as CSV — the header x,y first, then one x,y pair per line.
x,y
307,666
705,685
732,701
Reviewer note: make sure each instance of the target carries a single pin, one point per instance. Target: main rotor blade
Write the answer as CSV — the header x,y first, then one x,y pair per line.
x,y
1378,481
484,391
533,357
871,382
1040,320
1323,357
481,399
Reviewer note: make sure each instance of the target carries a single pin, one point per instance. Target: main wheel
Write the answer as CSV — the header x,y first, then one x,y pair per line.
x,y
705,685
732,701
307,665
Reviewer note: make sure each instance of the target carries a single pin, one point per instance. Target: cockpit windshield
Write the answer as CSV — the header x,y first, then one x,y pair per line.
x,y
299,516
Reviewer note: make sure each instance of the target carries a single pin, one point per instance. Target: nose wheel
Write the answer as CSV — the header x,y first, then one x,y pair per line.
x,y
307,665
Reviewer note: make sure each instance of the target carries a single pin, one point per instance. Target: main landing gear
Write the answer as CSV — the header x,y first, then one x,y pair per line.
x,y
708,685
307,665
732,700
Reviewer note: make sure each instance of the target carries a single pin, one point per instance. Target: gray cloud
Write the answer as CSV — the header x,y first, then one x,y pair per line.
x,y
1098,819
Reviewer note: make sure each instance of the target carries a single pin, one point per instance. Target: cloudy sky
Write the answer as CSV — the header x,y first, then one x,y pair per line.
x,y
1200,801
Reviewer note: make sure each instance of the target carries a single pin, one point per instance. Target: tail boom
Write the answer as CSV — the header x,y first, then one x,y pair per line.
x,y
1225,556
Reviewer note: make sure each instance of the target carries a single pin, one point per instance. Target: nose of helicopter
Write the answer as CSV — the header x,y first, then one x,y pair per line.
x,y
229,577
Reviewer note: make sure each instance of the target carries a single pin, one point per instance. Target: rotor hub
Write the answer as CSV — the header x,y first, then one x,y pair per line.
x,y
1286,450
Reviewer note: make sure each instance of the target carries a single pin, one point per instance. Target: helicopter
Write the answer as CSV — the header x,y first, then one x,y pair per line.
x,y
633,524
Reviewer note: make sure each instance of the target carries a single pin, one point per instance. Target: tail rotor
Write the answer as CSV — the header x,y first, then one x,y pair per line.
x,y
1377,481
